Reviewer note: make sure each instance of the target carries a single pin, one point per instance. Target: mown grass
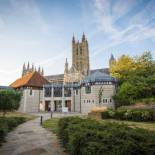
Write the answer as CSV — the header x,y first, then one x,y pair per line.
x,y
51,124
144,125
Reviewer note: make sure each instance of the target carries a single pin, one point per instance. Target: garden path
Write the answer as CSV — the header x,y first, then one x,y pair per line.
x,y
31,138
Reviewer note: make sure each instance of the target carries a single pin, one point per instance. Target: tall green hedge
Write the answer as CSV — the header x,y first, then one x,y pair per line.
x,y
90,137
9,100
130,114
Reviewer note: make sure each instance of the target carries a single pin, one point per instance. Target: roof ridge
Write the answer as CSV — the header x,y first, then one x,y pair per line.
x,y
32,73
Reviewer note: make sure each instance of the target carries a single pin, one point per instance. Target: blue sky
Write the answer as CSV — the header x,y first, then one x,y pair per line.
x,y
40,31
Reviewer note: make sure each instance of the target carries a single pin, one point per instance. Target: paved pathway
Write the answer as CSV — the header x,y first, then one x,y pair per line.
x,y
31,139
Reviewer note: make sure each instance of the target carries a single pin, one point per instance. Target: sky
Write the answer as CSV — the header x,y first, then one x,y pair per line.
x,y
40,31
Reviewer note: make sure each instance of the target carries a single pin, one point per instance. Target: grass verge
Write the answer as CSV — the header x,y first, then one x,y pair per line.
x,y
51,124
144,125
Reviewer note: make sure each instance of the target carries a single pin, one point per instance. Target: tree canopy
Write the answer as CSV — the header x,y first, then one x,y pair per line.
x,y
136,77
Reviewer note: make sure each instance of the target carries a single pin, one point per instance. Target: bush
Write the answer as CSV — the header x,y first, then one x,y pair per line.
x,y
7,124
130,114
89,137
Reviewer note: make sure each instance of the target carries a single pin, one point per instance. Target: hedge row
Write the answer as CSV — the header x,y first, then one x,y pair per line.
x,y
89,137
7,124
130,114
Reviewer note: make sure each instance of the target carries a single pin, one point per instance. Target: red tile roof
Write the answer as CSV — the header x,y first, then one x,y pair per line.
x,y
31,79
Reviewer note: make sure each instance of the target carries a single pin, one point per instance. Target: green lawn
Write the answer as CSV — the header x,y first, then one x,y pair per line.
x,y
51,124
144,125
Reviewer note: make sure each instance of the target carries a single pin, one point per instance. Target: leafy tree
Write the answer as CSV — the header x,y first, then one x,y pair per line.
x,y
126,94
122,68
9,100
136,78
100,95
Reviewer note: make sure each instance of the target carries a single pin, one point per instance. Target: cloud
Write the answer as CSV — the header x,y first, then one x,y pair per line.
x,y
107,15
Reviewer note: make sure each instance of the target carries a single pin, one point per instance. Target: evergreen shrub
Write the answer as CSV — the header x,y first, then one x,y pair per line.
x,y
89,137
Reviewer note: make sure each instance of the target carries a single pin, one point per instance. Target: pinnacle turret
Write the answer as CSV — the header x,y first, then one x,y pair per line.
x,y
66,66
112,59
27,68
83,37
73,39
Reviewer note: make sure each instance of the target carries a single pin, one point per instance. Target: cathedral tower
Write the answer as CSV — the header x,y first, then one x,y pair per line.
x,y
80,55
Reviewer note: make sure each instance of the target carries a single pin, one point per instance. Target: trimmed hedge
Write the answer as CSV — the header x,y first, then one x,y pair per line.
x,y
140,115
7,124
90,137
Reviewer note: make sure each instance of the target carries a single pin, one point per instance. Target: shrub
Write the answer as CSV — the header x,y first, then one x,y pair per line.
x,y
89,137
130,114
3,130
7,124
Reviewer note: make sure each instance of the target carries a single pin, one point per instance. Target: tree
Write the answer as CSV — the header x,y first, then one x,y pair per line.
x,y
136,78
122,68
100,95
126,94
9,100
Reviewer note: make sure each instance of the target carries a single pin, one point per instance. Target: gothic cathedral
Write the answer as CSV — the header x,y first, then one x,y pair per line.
x,y
80,61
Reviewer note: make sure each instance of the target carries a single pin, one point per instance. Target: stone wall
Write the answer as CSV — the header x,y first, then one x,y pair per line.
x,y
30,102
89,101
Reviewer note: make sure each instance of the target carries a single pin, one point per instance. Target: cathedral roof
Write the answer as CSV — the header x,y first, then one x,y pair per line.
x,y
53,77
98,76
102,70
61,76
30,79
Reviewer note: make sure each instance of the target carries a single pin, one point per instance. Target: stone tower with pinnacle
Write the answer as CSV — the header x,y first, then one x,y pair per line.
x,y
111,60
80,55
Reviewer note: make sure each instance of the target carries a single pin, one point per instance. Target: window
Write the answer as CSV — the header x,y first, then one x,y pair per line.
x,y
67,92
57,92
76,91
84,101
110,100
92,101
48,92
30,91
88,89
105,100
